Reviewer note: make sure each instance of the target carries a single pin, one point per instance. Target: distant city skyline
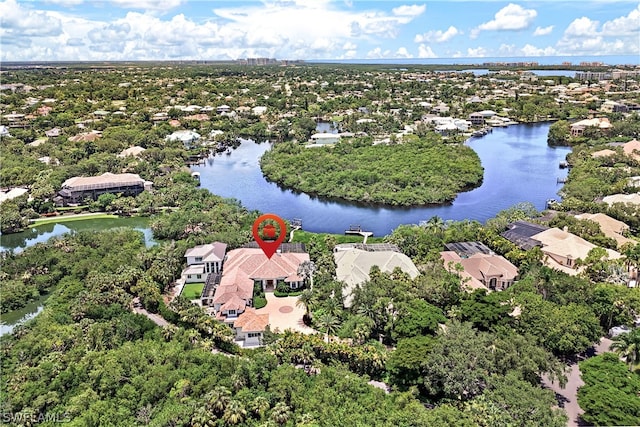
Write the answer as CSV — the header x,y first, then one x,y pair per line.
x,y
94,30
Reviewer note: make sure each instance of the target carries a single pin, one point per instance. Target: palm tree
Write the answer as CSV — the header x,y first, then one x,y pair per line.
x,y
260,406
202,418
306,270
235,413
627,345
218,399
281,413
328,323
306,300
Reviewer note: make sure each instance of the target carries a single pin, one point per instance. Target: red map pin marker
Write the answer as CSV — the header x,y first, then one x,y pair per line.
x,y
268,246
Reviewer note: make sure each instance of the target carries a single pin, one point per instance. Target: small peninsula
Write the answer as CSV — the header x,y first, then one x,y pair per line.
x,y
420,171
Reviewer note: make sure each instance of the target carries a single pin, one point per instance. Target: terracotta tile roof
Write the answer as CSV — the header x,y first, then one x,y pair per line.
x,y
234,303
244,265
563,244
250,321
480,267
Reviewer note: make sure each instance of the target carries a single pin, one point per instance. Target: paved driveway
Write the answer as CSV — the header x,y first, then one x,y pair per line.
x,y
284,314
568,397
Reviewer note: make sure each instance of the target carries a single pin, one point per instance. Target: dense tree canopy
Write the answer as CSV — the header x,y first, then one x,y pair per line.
x,y
418,172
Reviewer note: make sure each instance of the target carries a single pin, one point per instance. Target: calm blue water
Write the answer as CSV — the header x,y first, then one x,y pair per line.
x,y
519,167
42,233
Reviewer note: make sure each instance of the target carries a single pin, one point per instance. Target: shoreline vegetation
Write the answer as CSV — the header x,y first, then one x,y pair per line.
x,y
419,172
58,219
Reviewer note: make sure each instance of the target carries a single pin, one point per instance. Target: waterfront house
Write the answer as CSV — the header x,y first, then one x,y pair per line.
x,y
75,190
325,138
354,262
578,128
477,119
633,199
610,227
521,233
210,256
481,270
562,249
189,138
245,268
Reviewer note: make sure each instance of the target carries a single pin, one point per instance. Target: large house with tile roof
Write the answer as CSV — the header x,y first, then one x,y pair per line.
x,y
250,327
244,269
481,270
353,265
563,249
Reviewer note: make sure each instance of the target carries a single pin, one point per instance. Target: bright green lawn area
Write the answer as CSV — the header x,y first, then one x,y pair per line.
x,y
62,218
192,290
301,236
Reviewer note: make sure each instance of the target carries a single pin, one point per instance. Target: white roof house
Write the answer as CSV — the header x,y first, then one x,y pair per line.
x,y
633,199
259,110
353,266
187,137
325,138
12,194
134,151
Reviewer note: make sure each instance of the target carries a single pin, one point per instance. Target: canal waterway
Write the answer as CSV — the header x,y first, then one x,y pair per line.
x,y
41,233
518,164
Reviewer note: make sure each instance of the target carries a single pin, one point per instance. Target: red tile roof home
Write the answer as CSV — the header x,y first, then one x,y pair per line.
x,y
250,321
245,265
481,268
632,148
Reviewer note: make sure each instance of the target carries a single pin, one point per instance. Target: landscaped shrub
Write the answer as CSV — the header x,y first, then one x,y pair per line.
x,y
259,302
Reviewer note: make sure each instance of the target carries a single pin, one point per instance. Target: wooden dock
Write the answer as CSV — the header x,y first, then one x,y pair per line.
x,y
561,180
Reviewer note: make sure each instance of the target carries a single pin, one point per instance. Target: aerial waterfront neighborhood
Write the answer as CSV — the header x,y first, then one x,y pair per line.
x,y
320,213
562,276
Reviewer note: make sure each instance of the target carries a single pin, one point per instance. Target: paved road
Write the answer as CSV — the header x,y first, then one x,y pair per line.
x,y
568,397
155,318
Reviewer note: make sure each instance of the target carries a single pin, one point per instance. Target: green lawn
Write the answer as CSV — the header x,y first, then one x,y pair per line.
x,y
301,236
63,218
192,290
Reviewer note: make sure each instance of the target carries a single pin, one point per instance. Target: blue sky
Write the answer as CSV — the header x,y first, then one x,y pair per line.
x,y
313,29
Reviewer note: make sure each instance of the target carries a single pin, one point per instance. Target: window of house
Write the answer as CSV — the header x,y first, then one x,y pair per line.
x,y
198,276
253,334
198,259
231,312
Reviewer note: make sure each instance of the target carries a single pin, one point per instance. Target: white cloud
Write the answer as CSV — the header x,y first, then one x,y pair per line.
x,y
349,46
582,27
530,50
300,29
402,52
375,53
24,23
624,26
512,17
437,36
413,10
540,31
477,52
619,36
426,52
152,5
66,3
